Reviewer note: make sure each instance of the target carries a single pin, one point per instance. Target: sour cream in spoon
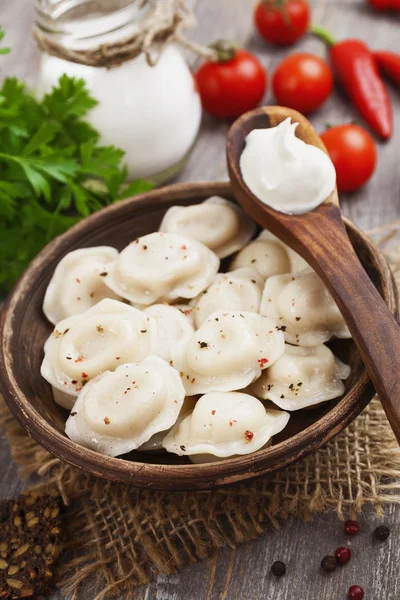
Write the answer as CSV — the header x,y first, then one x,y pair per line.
x,y
284,172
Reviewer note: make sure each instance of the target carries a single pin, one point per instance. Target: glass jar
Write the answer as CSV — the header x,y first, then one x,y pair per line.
x,y
153,113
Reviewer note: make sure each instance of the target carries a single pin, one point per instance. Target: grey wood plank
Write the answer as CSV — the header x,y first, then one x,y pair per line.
x,y
244,573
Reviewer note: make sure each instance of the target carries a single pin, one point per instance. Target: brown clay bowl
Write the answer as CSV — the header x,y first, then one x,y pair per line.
x,y
24,329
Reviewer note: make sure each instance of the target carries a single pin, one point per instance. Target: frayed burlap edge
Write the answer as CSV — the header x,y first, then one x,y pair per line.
x,y
120,536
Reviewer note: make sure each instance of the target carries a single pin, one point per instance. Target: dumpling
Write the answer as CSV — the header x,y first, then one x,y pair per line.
x,y
302,377
154,444
62,399
78,283
238,290
228,352
304,309
172,325
186,310
119,411
107,335
223,425
219,224
162,267
269,256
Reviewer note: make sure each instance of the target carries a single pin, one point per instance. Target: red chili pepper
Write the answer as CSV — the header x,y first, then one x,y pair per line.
x,y
385,4
355,67
389,63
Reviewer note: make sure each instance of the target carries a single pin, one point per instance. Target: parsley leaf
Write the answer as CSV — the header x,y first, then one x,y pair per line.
x,y
3,50
53,169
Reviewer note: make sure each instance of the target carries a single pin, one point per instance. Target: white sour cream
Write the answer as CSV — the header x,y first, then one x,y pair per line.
x,y
284,172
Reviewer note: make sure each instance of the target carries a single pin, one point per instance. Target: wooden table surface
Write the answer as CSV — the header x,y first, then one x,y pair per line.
x,y
244,573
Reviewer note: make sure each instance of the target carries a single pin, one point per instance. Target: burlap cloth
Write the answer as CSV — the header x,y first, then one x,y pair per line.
x,y
120,536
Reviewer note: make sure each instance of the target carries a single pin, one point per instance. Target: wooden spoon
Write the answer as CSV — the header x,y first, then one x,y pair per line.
x,y
319,236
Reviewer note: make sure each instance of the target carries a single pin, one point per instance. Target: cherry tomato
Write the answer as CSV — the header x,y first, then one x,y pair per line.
x,y
282,22
353,152
230,88
303,82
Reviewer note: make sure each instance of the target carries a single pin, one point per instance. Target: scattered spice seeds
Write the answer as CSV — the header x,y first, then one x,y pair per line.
x,y
328,563
278,568
382,533
351,527
248,435
263,361
29,541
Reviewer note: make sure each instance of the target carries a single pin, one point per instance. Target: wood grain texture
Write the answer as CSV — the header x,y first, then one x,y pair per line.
x,y
244,574
320,237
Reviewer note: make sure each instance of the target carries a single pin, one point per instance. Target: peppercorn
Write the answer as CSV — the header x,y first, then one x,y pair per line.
x,y
351,527
382,533
328,563
278,568
343,555
356,593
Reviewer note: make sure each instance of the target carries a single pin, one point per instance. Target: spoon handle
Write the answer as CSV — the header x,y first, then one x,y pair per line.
x,y
372,325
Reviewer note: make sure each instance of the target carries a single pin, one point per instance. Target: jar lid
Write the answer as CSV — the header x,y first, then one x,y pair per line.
x,y
106,33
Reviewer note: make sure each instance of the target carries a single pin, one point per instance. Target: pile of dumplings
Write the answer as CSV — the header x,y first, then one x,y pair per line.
x,y
154,349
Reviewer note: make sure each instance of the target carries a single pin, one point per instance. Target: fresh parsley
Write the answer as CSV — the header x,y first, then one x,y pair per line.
x,y
53,171
2,34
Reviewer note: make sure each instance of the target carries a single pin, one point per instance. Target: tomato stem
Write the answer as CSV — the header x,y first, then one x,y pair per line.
x,y
323,34
274,3
225,50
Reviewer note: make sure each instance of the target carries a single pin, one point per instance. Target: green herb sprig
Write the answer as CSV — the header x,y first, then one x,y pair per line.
x,y
53,171
2,34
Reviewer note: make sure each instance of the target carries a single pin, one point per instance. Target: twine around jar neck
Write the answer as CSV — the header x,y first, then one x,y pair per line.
x,y
161,26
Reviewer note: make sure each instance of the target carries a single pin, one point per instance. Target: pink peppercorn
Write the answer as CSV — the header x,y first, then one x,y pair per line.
x,y
343,555
356,593
351,527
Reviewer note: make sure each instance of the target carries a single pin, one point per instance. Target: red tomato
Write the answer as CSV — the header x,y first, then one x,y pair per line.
x,y
303,82
230,88
282,23
353,152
